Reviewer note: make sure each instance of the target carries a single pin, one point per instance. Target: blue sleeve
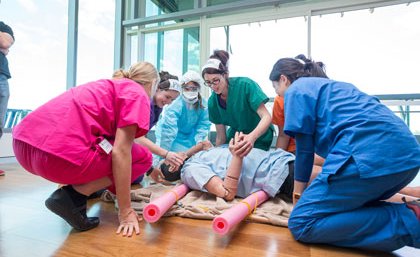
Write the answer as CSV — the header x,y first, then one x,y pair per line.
x,y
300,105
304,157
203,126
169,126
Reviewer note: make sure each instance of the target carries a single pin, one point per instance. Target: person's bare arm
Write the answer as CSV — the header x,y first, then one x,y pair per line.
x,y
220,134
230,183
282,139
203,145
174,159
259,130
227,188
121,170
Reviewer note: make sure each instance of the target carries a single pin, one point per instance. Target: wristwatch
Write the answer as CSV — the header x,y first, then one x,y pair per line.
x,y
149,171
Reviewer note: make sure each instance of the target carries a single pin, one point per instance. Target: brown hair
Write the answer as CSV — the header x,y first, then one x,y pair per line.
x,y
164,80
223,57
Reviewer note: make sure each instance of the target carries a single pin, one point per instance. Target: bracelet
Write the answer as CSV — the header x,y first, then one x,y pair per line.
x,y
166,155
296,196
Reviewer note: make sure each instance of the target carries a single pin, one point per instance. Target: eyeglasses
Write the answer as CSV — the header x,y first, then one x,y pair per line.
x,y
190,88
214,82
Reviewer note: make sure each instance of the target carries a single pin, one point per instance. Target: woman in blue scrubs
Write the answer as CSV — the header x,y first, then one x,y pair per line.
x,y
370,154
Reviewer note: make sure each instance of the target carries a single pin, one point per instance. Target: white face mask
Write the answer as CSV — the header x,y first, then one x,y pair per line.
x,y
190,97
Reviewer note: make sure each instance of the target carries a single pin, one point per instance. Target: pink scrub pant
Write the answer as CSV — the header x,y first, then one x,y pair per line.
x,y
58,170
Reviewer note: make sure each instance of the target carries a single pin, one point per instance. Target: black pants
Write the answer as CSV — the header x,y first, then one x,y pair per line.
x,y
288,185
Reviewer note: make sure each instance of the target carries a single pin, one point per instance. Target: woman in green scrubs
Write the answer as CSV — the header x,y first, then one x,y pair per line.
x,y
237,103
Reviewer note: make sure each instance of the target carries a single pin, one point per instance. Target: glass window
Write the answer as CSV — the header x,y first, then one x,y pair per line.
x,y
95,59
37,59
255,47
175,51
376,49
134,44
216,2
156,7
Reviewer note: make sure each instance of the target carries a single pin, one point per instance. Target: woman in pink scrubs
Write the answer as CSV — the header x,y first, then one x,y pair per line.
x,y
84,138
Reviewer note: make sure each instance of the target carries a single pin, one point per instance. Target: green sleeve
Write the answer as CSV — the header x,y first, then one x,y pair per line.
x,y
213,108
255,94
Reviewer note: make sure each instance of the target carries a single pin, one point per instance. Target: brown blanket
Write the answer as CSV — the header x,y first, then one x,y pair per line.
x,y
201,205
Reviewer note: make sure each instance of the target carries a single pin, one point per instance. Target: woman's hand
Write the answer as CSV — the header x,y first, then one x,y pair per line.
x,y
129,222
172,168
299,187
246,145
174,159
157,175
206,145
241,144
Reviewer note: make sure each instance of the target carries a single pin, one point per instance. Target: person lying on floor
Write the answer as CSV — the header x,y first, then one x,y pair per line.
x,y
215,169
224,171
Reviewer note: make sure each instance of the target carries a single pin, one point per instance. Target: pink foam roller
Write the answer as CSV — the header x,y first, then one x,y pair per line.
x,y
153,211
224,222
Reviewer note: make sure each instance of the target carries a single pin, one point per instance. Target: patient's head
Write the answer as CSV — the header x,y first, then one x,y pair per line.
x,y
168,175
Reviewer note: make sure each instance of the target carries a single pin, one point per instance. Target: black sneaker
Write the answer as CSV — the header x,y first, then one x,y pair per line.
x,y
61,204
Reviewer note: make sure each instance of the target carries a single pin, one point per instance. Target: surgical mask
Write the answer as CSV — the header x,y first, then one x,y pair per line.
x,y
190,97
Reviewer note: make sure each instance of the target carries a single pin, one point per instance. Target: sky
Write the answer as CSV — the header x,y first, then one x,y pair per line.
x,y
37,60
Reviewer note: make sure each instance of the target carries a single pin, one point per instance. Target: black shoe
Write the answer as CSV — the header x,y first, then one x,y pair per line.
x,y
61,204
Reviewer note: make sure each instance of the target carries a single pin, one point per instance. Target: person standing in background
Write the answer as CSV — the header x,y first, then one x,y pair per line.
x,y
6,41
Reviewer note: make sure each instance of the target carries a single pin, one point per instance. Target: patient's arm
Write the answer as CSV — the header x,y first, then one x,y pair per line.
x,y
228,187
203,145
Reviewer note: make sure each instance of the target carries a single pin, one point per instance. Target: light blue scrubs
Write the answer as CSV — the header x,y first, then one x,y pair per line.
x,y
370,155
261,170
181,126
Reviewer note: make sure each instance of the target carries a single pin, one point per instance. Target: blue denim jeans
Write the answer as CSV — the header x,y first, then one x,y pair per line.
x,y
4,99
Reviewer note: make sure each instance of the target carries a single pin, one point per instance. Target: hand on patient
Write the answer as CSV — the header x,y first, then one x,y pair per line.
x,y
157,176
236,145
175,159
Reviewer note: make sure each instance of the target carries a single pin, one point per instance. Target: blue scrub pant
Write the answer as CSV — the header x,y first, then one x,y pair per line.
x,y
343,209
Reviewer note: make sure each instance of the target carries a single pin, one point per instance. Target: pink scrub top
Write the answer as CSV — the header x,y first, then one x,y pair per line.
x,y
71,125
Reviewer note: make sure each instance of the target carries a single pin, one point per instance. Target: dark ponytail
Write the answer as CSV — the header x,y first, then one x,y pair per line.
x,y
223,68
294,68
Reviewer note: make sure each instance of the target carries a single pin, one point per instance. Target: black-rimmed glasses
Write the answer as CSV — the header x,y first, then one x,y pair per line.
x,y
214,82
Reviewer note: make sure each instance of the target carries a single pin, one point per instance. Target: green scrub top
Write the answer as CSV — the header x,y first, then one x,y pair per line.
x,y
244,98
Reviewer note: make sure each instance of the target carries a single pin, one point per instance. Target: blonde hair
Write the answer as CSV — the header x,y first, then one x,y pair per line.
x,y
143,73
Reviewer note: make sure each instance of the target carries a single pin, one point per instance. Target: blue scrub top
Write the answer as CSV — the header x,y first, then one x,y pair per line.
x,y
182,126
346,122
